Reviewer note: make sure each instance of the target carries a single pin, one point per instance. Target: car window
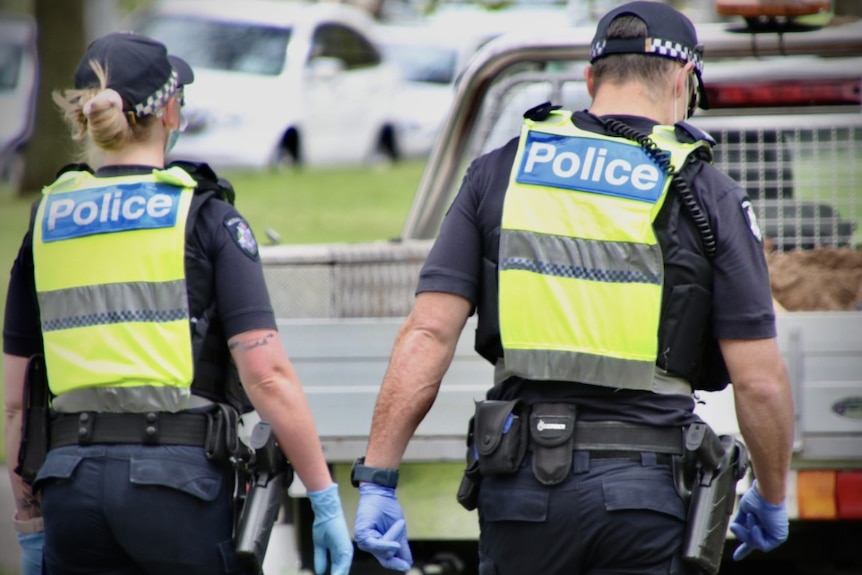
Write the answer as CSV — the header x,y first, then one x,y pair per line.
x,y
10,66
423,63
345,44
230,46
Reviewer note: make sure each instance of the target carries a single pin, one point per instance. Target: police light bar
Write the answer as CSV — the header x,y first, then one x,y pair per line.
x,y
785,93
771,8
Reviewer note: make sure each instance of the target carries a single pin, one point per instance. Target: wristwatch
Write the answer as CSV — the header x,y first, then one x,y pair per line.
x,y
363,473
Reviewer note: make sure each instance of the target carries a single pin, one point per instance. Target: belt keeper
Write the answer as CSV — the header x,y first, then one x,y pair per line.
x,y
85,428
151,429
28,526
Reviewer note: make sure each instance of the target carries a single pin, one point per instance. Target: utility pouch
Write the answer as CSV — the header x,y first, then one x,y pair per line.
x,y
35,424
500,436
552,430
468,489
712,498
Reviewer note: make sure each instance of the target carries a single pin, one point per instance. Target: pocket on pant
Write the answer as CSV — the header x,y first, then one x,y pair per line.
x,y
57,466
644,495
497,504
200,481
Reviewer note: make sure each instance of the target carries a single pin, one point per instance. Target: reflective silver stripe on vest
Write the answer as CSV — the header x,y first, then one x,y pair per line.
x,y
605,261
552,365
664,382
139,399
87,306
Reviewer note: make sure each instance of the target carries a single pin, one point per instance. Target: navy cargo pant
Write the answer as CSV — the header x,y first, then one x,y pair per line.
x,y
609,517
136,510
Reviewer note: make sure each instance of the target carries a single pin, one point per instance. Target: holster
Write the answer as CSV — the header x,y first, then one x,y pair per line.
x,y
552,431
35,422
500,436
269,474
720,462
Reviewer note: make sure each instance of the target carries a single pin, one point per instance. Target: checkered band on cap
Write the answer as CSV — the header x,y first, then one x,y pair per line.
x,y
158,98
656,46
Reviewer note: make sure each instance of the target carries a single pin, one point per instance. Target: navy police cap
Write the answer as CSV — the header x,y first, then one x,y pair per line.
x,y
670,34
138,68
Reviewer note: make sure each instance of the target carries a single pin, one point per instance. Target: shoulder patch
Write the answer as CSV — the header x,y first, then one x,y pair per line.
x,y
242,235
751,217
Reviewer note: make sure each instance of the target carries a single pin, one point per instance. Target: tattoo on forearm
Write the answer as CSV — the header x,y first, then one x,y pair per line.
x,y
29,505
251,344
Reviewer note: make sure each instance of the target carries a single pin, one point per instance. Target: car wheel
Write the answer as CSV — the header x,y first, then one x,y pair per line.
x,y
287,153
386,151
12,168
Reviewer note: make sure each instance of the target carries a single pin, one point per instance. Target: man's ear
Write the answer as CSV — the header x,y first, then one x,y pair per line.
x,y
681,87
171,118
590,79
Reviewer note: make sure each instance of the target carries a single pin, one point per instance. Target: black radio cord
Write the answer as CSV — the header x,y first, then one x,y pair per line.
x,y
678,182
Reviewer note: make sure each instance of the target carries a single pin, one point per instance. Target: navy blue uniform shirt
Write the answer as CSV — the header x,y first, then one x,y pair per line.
x,y
237,276
742,299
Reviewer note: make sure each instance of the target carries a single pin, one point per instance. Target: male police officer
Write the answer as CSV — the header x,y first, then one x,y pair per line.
x,y
607,290
146,296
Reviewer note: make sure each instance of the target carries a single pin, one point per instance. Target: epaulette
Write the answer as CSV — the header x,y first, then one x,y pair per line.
x,y
689,134
207,179
541,112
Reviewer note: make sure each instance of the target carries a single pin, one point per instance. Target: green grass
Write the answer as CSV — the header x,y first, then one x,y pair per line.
x,y
302,206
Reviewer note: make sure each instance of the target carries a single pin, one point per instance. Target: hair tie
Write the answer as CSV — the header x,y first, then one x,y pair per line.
x,y
109,96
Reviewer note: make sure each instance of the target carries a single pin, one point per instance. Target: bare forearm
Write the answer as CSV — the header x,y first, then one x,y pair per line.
x,y
765,414
421,355
286,408
14,372
275,391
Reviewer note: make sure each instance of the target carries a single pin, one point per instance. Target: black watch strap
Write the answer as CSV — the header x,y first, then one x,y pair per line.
x,y
363,473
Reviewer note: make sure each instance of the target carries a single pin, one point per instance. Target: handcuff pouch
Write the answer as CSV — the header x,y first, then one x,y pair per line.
x,y
499,436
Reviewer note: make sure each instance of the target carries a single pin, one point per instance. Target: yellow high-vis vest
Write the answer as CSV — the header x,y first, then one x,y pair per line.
x,y
109,257
580,267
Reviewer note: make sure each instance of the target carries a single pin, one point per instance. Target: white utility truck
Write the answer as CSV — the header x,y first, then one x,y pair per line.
x,y
788,118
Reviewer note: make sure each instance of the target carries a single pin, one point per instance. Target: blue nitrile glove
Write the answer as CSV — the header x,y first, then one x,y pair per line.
x,y
31,552
380,527
329,532
758,524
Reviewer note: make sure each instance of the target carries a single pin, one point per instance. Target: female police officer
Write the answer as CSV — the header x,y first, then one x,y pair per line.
x,y
134,282
583,262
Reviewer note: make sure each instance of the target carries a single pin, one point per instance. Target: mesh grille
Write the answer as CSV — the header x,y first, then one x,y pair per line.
x,y
805,183
343,281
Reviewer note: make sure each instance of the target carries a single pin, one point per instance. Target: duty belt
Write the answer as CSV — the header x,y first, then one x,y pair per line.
x,y
613,436
153,428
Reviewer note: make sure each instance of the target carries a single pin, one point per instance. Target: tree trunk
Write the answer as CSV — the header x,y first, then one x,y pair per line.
x,y
60,43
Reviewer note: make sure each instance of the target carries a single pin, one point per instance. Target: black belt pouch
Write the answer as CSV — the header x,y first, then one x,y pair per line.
x,y
500,436
468,489
552,429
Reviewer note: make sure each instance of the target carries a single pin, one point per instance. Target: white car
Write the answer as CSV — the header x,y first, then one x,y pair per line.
x,y
18,81
278,82
430,59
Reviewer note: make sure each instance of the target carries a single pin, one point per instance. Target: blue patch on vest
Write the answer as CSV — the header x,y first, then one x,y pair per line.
x,y
119,208
590,165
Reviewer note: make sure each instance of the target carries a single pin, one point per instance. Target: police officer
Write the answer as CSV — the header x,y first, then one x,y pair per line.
x,y
606,290
145,294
